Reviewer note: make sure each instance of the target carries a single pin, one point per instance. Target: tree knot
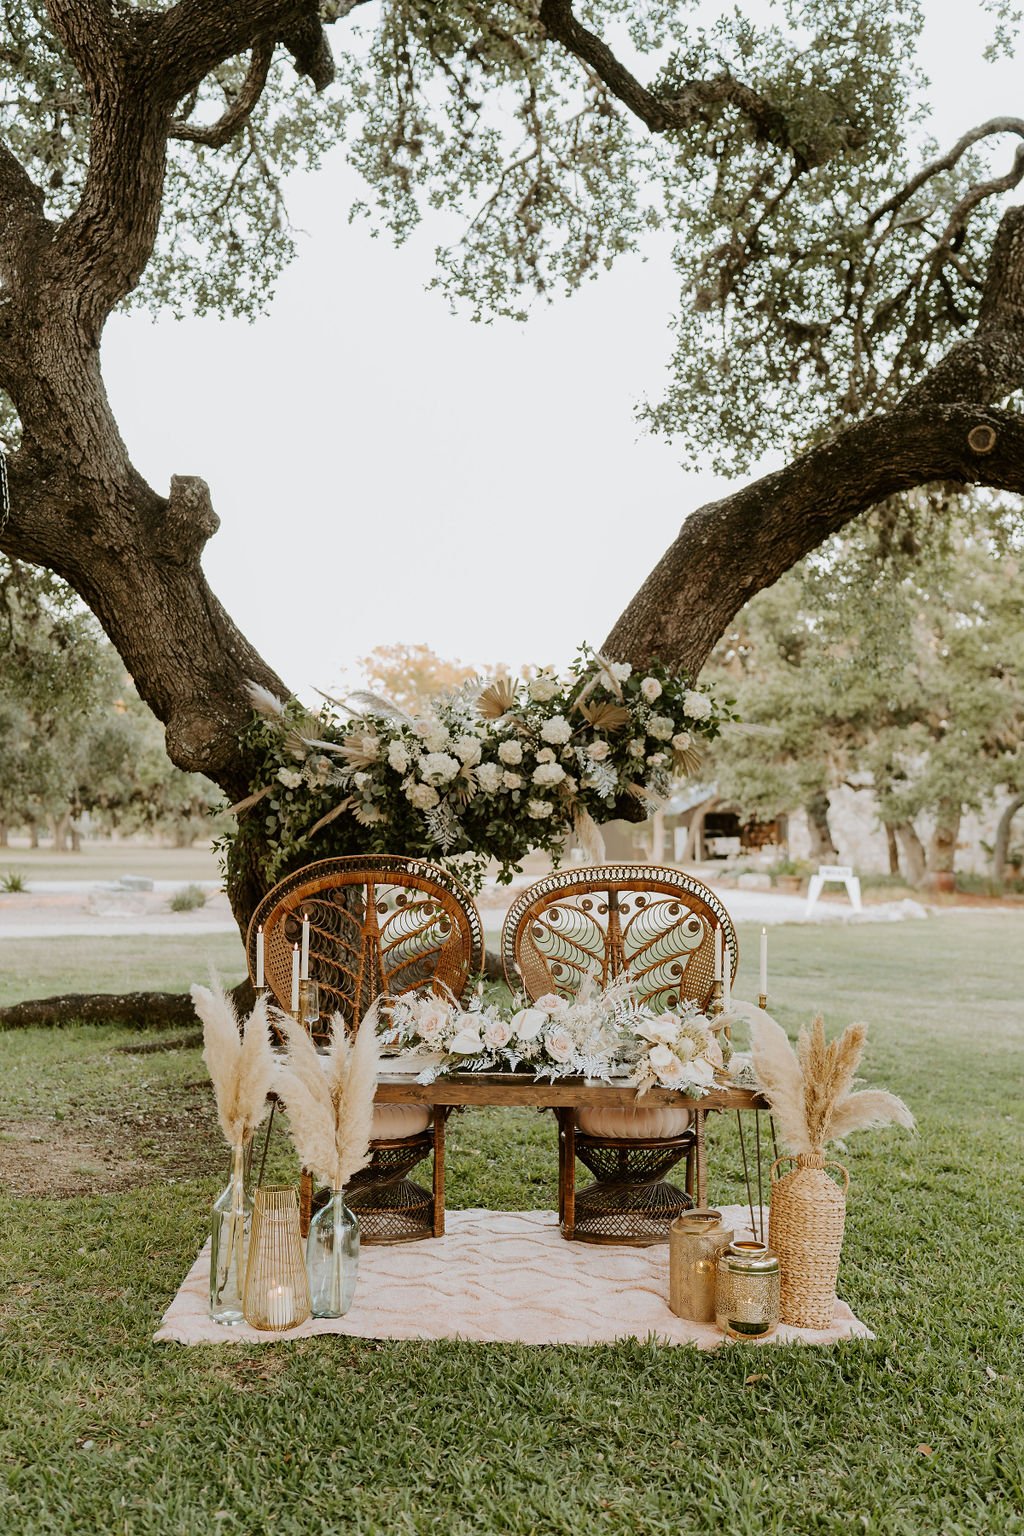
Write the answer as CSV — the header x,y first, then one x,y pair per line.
x,y
981,439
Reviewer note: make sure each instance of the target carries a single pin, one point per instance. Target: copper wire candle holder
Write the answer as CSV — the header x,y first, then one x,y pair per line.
x,y
276,1284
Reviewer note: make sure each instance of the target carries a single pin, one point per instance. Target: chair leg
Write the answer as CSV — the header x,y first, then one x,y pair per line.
x,y
440,1119
568,1202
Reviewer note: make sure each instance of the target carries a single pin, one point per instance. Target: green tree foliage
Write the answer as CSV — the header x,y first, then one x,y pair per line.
x,y
898,667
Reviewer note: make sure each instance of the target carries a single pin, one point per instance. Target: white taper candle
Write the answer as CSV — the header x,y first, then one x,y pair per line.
x,y
295,978
304,973
260,960
764,962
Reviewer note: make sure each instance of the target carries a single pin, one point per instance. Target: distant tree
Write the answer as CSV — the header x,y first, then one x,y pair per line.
x,y
412,675
902,670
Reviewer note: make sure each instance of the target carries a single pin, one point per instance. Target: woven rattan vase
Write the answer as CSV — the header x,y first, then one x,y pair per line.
x,y
808,1213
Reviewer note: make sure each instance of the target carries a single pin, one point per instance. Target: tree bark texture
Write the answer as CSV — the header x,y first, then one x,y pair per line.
x,y
823,849
912,852
942,845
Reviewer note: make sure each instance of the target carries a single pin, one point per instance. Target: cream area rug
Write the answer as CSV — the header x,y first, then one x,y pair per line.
x,y
498,1277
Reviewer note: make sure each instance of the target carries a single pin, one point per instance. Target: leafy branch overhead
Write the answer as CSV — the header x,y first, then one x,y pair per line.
x,y
848,290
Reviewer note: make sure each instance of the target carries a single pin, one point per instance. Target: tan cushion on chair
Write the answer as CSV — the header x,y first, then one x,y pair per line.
x,y
628,1123
393,1121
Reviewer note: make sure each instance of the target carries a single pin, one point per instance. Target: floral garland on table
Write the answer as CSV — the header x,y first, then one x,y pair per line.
x,y
495,770
606,1035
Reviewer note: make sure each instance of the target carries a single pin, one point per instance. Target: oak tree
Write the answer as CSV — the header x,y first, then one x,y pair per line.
x,y
837,291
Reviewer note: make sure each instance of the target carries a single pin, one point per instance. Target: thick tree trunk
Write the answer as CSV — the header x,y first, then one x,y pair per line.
x,y
912,850
942,846
1001,846
823,849
893,849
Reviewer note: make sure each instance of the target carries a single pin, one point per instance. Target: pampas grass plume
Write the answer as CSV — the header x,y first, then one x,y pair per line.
x,y
330,1099
240,1062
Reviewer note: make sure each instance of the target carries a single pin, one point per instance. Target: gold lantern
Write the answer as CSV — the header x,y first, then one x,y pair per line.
x,y
747,1290
695,1241
276,1285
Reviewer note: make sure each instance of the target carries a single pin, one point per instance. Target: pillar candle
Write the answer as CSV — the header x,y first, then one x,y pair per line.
x,y
304,973
260,976
295,978
764,962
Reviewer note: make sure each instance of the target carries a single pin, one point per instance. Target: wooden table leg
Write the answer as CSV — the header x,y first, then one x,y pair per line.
x,y
440,1116
698,1148
305,1201
569,1199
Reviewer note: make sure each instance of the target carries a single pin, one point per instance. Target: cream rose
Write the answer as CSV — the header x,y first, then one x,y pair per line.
x,y
598,751
661,727
497,1033
422,796
289,778
558,1044
510,752
551,1002
399,756
683,741
548,773
651,689
512,780
433,735
539,809
667,1067
488,776
438,768
431,1022
556,730
468,750
543,688
622,671
696,705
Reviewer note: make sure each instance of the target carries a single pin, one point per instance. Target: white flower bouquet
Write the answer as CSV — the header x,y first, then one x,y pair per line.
x,y
496,769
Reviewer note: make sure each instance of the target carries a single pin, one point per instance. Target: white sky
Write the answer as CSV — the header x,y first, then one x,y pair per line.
x,y
385,472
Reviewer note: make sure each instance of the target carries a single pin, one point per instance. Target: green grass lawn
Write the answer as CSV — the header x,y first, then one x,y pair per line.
x,y
109,861
50,967
112,1159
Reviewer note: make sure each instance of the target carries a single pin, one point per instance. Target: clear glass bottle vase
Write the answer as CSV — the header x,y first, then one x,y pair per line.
x,y
332,1257
229,1236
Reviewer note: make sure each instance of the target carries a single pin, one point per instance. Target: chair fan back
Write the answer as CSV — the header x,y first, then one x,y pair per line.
x,y
377,923
657,925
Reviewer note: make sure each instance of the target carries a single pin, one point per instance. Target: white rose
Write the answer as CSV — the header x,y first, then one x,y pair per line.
x,y
543,688
431,1022
467,749
510,752
558,1044
696,705
370,744
497,1033
528,1023
656,759
433,735
289,778
422,796
488,776
399,756
598,751
317,772
551,1002
621,671
438,768
467,1042
512,781
636,747
667,1067
659,1031
548,773
539,809
360,780
556,730
545,755
661,727
683,741
651,689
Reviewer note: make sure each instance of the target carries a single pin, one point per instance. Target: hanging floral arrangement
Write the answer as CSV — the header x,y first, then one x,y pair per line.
x,y
495,769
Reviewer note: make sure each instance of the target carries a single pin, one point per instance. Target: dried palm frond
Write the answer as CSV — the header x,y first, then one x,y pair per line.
x,y
330,1099
687,760
497,699
604,715
241,806
332,815
646,796
263,701
360,750
240,1062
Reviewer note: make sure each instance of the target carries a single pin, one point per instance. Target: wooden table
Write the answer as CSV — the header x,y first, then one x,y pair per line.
x,y
516,1090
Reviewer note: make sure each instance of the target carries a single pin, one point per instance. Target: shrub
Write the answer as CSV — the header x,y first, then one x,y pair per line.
x,y
188,899
12,881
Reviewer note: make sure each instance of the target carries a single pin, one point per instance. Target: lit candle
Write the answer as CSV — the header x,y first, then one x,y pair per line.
x,y
764,962
727,982
295,978
718,954
304,973
260,977
280,1306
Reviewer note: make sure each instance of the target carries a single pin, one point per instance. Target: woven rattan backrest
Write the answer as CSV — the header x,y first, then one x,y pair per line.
x,y
658,925
377,923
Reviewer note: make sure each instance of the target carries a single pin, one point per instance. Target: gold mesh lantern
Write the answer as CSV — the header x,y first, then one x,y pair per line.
x,y
276,1285
747,1290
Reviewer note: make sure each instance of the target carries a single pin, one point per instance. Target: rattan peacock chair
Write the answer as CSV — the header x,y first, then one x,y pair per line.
x,y
657,926
379,925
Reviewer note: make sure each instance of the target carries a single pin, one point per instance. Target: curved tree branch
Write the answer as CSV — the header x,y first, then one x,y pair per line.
x,y
216,135
731,549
